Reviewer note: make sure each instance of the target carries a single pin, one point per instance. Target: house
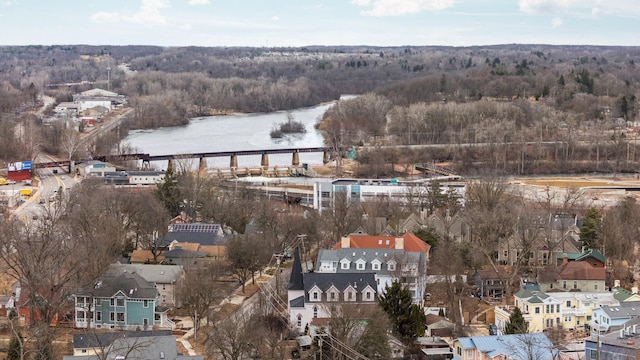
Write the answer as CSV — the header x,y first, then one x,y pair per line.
x,y
315,295
611,318
438,326
388,265
591,256
23,305
621,344
120,301
407,242
547,237
434,348
157,344
184,257
208,239
500,347
450,227
541,311
164,278
572,276
491,284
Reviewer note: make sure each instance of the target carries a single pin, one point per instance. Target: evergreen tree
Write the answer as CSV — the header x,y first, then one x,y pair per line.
x,y
516,324
168,192
589,233
407,318
15,347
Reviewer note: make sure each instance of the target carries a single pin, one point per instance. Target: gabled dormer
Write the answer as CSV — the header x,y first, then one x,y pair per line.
x,y
391,265
376,264
350,293
345,264
361,264
368,294
315,294
333,294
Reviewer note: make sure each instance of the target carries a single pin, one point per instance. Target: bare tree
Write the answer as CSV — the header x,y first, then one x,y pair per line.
x,y
70,142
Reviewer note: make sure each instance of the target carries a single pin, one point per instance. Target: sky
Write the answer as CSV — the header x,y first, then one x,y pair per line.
x,y
275,23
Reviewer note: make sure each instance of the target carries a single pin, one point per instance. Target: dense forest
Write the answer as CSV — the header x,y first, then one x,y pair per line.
x,y
528,108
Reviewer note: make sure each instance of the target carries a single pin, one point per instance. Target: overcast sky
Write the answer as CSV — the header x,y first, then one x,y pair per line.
x,y
319,22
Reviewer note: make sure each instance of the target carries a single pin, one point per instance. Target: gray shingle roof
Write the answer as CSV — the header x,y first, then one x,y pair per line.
x,y
368,255
157,274
324,281
131,284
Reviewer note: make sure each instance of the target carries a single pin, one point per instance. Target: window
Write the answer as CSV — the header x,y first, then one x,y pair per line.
x,y
299,320
344,265
98,315
112,316
332,295
526,308
469,354
361,266
575,284
568,303
391,267
80,315
120,316
537,310
368,295
315,295
120,302
593,354
145,303
315,312
113,302
558,308
595,286
376,266
349,296
460,351
164,286
564,284
505,253
547,309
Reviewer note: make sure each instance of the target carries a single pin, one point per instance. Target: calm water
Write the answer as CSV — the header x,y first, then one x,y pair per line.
x,y
233,132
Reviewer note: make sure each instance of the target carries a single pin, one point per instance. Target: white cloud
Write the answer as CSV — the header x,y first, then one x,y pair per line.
x,y
402,7
148,14
556,22
199,2
275,18
538,6
582,7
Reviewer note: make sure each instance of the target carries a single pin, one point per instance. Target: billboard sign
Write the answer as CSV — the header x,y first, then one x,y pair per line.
x,y
19,166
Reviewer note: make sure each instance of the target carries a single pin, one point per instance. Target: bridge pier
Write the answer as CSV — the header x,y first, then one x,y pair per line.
x,y
233,163
264,162
326,156
295,158
171,165
202,165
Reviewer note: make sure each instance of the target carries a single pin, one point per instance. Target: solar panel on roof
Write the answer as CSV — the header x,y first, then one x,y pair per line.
x,y
208,228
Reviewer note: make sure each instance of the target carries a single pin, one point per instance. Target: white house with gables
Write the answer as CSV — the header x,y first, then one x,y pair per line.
x,y
317,295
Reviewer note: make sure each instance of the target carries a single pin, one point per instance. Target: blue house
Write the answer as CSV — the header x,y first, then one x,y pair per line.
x,y
120,301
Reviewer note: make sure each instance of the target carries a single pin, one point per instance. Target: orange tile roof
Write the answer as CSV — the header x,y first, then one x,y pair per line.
x,y
411,242
581,270
214,250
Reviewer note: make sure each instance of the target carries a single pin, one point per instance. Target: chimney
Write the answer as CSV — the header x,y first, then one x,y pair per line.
x,y
565,259
345,242
399,243
634,290
616,283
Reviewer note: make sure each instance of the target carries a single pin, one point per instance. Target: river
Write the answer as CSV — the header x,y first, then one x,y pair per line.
x,y
233,132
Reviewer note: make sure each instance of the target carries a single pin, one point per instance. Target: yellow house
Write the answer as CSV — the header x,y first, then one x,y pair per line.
x,y
569,310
